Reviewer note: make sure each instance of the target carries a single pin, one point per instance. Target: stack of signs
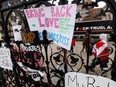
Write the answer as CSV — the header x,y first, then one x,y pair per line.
x,y
5,59
58,21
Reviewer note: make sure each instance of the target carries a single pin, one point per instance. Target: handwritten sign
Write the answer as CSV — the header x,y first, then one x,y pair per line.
x,y
17,32
59,22
5,59
74,79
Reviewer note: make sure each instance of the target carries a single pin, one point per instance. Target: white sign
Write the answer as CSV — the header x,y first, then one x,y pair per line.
x,y
74,79
35,74
17,32
58,21
5,59
32,48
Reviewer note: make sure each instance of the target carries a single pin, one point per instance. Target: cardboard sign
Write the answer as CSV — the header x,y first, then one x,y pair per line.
x,y
74,79
58,21
5,59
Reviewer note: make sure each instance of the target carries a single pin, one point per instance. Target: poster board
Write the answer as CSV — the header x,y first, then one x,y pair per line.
x,y
17,32
58,21
5,59
74,79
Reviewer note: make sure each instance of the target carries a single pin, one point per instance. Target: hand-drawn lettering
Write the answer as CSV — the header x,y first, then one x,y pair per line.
x,y
90,83
48,22
64,11
59,38
31,13
73,80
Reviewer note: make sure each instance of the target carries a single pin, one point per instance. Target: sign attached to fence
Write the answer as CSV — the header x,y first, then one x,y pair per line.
x,y
5,58
17,32
58,21
30,37
35,74
74,79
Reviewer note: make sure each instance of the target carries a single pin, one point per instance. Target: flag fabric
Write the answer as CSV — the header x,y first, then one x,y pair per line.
x,y
100,48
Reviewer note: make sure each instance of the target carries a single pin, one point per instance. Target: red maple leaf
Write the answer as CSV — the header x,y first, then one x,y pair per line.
x,y
99,44
80,29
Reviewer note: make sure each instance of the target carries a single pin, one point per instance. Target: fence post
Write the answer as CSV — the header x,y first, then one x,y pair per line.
x,y
45,43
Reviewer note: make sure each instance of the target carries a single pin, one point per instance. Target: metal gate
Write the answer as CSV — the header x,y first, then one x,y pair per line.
x,y
51,60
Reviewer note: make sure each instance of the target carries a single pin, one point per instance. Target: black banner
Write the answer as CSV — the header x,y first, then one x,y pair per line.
x,y
105,26
30,37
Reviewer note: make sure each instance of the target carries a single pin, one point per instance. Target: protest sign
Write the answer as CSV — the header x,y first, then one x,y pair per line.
x,y
74,79
17,32
58,21
5,58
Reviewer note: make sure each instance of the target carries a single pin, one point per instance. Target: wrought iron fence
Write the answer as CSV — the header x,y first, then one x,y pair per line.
x,y
52,64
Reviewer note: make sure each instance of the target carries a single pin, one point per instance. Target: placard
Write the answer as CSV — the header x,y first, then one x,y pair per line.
x,y
5,59
58,21
74,79
17,32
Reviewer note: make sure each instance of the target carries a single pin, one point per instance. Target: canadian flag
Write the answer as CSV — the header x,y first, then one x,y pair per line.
x,y
100,48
